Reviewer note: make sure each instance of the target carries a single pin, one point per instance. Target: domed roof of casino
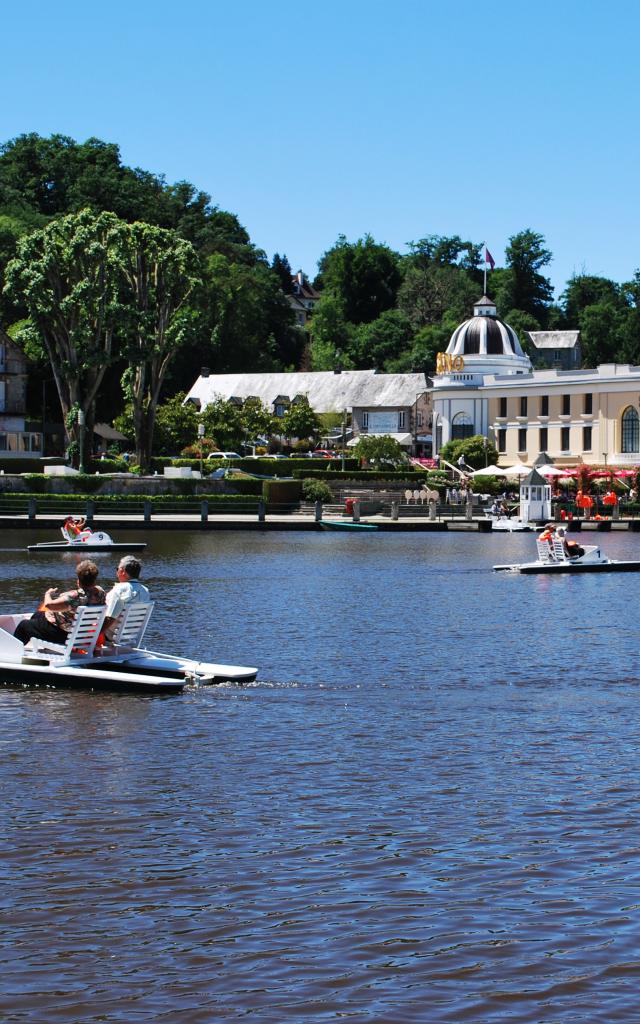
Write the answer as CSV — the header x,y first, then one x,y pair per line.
x,y
485,334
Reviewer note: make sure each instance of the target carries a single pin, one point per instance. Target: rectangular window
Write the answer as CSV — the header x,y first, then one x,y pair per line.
x,y
502,439
544,405
3,442
544,439
566,405
564,439
522,439
365,421
401,420
586,439
588,404
523,405
419,419
279,410
503,407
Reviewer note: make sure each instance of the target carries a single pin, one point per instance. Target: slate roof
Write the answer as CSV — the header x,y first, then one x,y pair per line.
x,y
326,391
554,339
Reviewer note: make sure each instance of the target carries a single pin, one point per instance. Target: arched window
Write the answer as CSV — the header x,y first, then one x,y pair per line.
x,y
630,430
461,427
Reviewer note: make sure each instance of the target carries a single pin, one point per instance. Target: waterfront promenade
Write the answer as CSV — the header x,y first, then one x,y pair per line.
x,y
413,520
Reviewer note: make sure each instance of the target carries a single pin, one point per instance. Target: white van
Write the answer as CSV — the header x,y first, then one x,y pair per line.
x,y
224,455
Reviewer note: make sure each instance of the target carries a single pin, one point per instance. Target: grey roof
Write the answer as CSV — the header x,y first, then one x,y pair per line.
x,y
534,479
554,339
326,391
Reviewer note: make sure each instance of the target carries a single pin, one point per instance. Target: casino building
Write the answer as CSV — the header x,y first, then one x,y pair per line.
x,y
485,385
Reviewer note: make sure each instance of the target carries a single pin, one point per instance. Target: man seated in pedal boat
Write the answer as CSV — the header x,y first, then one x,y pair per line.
x,y
127,590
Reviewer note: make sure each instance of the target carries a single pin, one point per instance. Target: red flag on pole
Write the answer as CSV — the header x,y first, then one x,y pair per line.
x,y
488,258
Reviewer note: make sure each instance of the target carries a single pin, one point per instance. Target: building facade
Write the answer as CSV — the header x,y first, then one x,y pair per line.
x,y
396,404
485,385
17,436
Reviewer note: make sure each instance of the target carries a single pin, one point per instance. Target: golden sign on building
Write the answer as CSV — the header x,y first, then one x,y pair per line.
x,y
449,364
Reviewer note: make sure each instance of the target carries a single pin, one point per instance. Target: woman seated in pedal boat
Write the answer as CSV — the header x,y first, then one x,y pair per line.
x,y
53,620
75,529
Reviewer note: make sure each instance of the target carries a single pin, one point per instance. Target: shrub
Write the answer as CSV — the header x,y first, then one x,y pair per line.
x,y
316,490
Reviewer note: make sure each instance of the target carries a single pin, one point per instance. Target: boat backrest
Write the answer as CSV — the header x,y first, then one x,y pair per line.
x,y
131,625
82,637
545,553
559,553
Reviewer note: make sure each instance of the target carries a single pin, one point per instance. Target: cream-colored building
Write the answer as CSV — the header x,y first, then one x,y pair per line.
x,y
485,385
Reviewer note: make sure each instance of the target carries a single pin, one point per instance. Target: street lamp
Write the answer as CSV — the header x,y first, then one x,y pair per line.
x,y
201,435
344,434
81,423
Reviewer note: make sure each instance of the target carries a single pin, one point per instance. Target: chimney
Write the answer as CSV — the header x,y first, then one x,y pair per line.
x,y
300,277
205,371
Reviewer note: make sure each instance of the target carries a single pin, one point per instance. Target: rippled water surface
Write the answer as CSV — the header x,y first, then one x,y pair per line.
x,y
426,809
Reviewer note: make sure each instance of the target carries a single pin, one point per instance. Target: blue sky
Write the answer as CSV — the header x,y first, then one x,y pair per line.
x,y
400,119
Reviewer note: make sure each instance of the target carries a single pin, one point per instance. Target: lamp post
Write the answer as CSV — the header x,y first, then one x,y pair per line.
x,y
81,424
344,435
200,436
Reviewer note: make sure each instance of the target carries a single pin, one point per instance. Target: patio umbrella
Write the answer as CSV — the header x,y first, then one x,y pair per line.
x,y
625,472
551,471
519,469
490,471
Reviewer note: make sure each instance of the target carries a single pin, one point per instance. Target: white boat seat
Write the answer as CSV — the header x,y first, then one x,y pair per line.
x,y
545,553
82,637
131,625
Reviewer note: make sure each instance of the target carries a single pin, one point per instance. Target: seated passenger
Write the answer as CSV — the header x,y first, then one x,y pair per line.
x,y
127,590
571,547
54,619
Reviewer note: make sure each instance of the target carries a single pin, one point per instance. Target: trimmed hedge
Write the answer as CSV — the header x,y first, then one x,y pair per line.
x,y
267,467
282,492
364,474
73,503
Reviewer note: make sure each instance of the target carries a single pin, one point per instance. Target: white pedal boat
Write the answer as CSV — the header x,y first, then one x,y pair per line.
x,y
121,665
508,524
552,558
87,540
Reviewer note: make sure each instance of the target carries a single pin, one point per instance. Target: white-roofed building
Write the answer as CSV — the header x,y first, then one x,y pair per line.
x,y
558,350
379,403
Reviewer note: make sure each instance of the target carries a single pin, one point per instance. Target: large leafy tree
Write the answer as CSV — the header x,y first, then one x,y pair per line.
x,y
363,275
68,277
300,420
530,291
379,449
160,272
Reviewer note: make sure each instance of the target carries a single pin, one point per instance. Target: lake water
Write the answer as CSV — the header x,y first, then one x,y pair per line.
x,y
425,810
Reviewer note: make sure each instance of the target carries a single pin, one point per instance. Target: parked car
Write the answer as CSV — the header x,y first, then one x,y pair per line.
x,y
224,455
324,453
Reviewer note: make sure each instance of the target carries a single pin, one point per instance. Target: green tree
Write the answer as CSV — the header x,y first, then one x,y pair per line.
x,y
478,451
380,450
331,334
584,290
384,340
526,256
257,420
176,425
67,275
363,275
300,420
281,267
443,251
160,273
224,423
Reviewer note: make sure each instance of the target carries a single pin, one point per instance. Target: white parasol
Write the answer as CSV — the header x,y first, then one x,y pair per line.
x,y
490,471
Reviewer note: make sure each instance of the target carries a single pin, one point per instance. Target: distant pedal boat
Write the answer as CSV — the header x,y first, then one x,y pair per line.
x,y
553,559
87,540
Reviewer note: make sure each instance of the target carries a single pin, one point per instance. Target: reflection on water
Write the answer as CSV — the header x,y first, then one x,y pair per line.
x,y
425,810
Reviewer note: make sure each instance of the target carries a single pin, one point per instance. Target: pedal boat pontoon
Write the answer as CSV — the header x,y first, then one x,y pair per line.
x,y
86,541
122,665
552,558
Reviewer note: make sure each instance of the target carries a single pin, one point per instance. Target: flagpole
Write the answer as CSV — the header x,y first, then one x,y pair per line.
x,y
484,290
